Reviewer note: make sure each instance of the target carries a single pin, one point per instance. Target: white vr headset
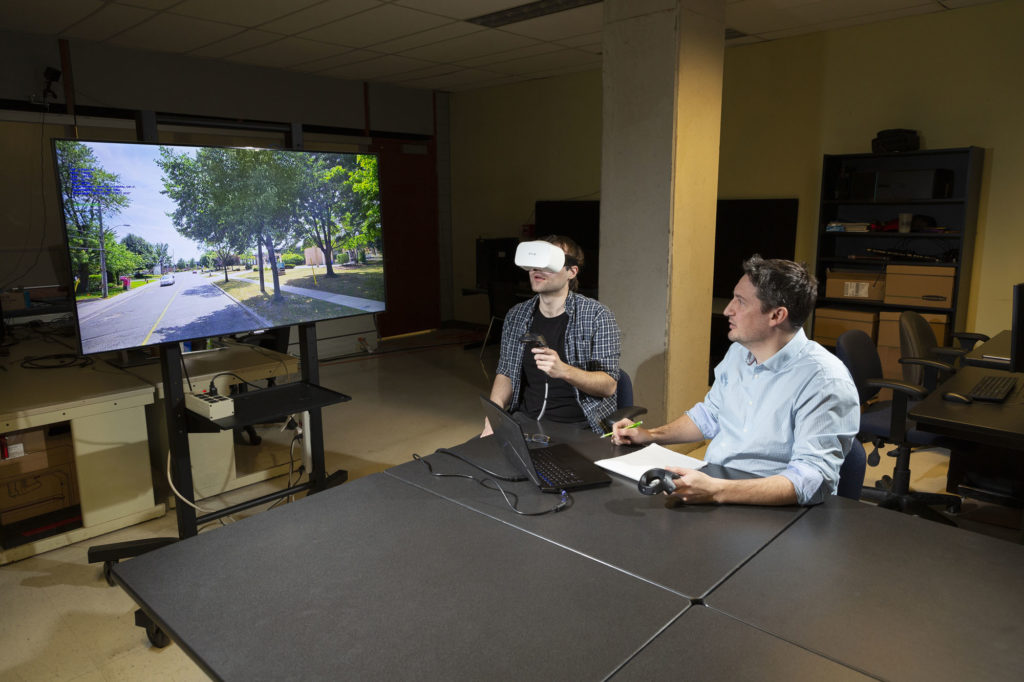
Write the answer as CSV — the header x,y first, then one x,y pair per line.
x,y
541,255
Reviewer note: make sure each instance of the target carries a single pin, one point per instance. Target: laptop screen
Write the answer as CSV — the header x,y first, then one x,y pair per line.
x,y
510,439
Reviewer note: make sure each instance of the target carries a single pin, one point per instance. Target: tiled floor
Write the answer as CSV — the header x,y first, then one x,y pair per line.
x,y
59,620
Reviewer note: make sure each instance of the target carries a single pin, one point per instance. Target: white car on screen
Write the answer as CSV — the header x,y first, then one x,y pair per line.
x,y
167,280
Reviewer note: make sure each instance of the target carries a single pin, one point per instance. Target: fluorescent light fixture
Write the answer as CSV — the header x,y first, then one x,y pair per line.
x,y
531,10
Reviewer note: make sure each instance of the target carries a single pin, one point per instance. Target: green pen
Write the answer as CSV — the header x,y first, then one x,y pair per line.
x,y
631,426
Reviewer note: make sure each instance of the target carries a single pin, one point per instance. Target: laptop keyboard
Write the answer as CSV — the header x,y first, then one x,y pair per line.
x,y
550,471
993,388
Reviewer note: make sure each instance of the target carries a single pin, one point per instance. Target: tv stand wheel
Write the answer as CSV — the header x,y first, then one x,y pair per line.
x,y
157,637
107,568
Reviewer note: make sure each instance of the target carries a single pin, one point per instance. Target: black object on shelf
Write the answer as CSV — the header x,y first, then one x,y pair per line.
x,y
939,188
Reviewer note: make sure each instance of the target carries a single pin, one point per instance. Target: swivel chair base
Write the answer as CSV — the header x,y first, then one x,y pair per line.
x,y
893,492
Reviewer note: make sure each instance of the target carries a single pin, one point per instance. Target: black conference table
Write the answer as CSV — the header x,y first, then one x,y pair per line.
x,y
403,575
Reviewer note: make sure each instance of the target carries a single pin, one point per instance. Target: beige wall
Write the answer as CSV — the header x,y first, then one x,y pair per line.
x,y
510,147
954,76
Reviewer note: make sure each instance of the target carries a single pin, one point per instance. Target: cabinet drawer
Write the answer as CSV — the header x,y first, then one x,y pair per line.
x,y
920,285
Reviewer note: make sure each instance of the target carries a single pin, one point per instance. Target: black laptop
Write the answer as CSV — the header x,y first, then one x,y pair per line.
x,y
554,468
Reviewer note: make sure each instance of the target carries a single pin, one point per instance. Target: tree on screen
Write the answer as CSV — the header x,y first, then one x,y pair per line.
x,y
360,222
233,199
324,195
92,197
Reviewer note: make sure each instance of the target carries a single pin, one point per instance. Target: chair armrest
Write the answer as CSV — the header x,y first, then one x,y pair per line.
x,y
912,391
932,369
630,412
969,339
949,352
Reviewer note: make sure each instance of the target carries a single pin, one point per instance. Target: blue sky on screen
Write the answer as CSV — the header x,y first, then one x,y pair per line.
x,y
147,215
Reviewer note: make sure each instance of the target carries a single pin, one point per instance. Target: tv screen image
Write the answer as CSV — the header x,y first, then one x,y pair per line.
x,y
170,243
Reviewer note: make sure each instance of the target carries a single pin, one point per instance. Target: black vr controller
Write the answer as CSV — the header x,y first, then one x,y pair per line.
x,y
534,340
655,481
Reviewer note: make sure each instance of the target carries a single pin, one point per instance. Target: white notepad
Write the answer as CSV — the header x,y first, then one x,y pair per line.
x,y
635,464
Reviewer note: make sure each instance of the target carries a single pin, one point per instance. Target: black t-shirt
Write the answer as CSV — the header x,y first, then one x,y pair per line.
x,y
562,405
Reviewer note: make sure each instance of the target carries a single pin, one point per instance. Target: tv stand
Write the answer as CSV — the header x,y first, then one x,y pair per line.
x,y
251,407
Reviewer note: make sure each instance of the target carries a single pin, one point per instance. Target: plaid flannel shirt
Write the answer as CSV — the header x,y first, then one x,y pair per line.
x,y
592,344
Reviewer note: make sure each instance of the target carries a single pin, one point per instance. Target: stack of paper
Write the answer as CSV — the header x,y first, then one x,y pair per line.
x,y
636,464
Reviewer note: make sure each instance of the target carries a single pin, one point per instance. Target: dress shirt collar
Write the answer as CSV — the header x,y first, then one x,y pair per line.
x,y
786,354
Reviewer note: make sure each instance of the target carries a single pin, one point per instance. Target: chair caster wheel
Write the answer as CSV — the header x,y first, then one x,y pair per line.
x,y
157,637
107,575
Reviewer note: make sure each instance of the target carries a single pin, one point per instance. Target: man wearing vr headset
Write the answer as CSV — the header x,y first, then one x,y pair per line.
x,y
560,349
781,406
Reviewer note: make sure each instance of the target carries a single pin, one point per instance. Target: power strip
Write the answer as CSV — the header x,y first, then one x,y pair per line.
x,y
210,406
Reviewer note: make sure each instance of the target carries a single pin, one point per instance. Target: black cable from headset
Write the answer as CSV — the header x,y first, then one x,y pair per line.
x,y
504,477
564,502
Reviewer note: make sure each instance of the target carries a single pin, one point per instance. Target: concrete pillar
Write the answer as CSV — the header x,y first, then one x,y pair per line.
x,y
661,109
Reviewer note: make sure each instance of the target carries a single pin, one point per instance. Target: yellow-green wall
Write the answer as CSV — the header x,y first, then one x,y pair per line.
x,y
512,146
954,76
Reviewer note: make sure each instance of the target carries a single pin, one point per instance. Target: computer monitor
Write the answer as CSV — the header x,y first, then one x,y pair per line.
x,y
1017,330
166,242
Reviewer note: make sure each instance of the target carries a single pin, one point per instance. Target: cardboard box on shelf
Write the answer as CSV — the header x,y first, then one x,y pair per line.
x,y
830,323
44,442
859,285
13,300
39,492
38,473
920,285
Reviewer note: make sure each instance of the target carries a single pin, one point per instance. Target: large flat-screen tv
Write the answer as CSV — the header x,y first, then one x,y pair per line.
x,y
169,243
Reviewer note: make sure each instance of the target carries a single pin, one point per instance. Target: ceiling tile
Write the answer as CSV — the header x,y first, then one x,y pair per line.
x,y
573,22
461,80
566,58
377,25
148,4
508,55
470,46
453,30
461,9
844,22
319,15
173,33
240,12
760,17
109,21
246,40
426,72
45,18
285,53
591,42
346,56
376,68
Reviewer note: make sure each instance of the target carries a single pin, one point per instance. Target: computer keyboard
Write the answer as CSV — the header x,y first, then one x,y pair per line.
x,y
993,388
550,471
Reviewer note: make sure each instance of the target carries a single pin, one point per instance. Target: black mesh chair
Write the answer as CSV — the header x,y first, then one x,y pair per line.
x,y
851,474
926,362
887,422
625,409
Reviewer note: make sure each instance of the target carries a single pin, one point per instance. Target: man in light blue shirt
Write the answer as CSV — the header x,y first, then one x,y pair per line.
x,y
781,407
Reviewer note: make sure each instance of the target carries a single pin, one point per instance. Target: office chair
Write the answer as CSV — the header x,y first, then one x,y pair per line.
x,y
933,363
624,407
851,474
887,421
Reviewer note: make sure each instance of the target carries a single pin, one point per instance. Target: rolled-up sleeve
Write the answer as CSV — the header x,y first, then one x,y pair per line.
x,y
827,418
